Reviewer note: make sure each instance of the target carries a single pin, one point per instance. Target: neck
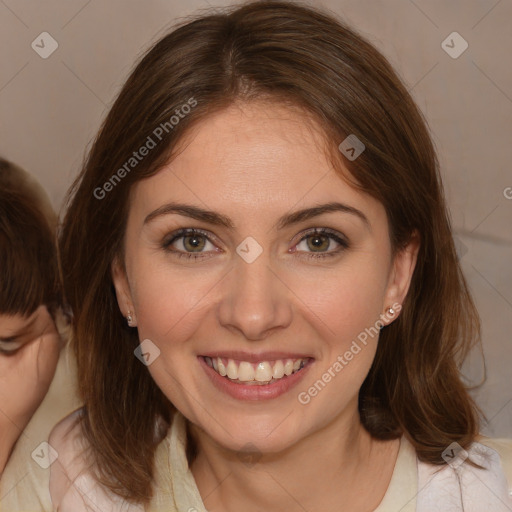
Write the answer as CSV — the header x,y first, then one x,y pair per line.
x,y
339,463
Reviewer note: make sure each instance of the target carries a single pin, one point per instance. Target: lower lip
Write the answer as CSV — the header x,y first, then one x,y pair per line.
x,y
254,392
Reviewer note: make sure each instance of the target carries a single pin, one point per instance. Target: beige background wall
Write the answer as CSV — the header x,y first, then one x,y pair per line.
x,y
51,108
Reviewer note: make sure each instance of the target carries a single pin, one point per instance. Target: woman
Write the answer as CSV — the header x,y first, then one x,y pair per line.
x,y
269,312
32,327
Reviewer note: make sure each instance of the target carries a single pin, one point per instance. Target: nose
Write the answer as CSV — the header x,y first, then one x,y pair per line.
x,y
255,302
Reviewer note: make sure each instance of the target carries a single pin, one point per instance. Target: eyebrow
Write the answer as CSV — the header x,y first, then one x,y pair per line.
x,y
286,220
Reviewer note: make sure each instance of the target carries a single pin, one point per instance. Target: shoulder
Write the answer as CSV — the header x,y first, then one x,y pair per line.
x,y
73,484
68,445
458,483
66,437
503,448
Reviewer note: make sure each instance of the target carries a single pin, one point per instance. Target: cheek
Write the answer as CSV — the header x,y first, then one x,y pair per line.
x,y
344,306
171,307
169,304
340,301
48,357
345,301
27,375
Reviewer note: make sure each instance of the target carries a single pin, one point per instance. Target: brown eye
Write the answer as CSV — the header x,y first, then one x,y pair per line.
x,y
194,242
318,242
189,243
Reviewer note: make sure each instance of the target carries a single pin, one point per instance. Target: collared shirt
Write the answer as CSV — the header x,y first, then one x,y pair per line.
x,y
415,486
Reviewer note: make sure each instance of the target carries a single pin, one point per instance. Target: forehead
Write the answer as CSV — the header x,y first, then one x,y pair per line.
x,y
250,157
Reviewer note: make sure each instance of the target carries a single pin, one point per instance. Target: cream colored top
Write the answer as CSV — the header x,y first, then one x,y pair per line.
x,y
24,486
414,487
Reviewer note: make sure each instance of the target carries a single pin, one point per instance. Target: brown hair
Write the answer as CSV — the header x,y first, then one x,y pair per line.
x,y
29,274
298,55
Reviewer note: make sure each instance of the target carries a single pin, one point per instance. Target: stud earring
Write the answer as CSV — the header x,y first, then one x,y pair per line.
x,y
129,318
391,311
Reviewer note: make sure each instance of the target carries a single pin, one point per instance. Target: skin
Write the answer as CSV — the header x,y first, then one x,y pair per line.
x,y
29,351
255,162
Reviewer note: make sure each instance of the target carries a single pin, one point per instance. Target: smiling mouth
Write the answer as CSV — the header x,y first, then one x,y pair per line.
x,y
261,373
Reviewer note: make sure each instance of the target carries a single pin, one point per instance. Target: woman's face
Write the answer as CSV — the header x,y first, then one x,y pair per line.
x,y
29,351
254,287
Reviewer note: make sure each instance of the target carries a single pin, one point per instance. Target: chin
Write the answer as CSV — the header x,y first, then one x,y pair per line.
x,y
271,436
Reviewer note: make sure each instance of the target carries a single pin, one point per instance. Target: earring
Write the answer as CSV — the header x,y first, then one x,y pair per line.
x,y
129,318
390,312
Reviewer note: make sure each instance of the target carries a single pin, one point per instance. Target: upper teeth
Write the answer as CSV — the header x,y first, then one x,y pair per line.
x,y
263,371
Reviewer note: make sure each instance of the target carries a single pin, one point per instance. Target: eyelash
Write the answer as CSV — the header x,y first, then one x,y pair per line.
x,y
333,235
9,346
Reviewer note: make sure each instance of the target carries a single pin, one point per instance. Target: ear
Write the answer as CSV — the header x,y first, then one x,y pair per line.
x,y
122,287
400,276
